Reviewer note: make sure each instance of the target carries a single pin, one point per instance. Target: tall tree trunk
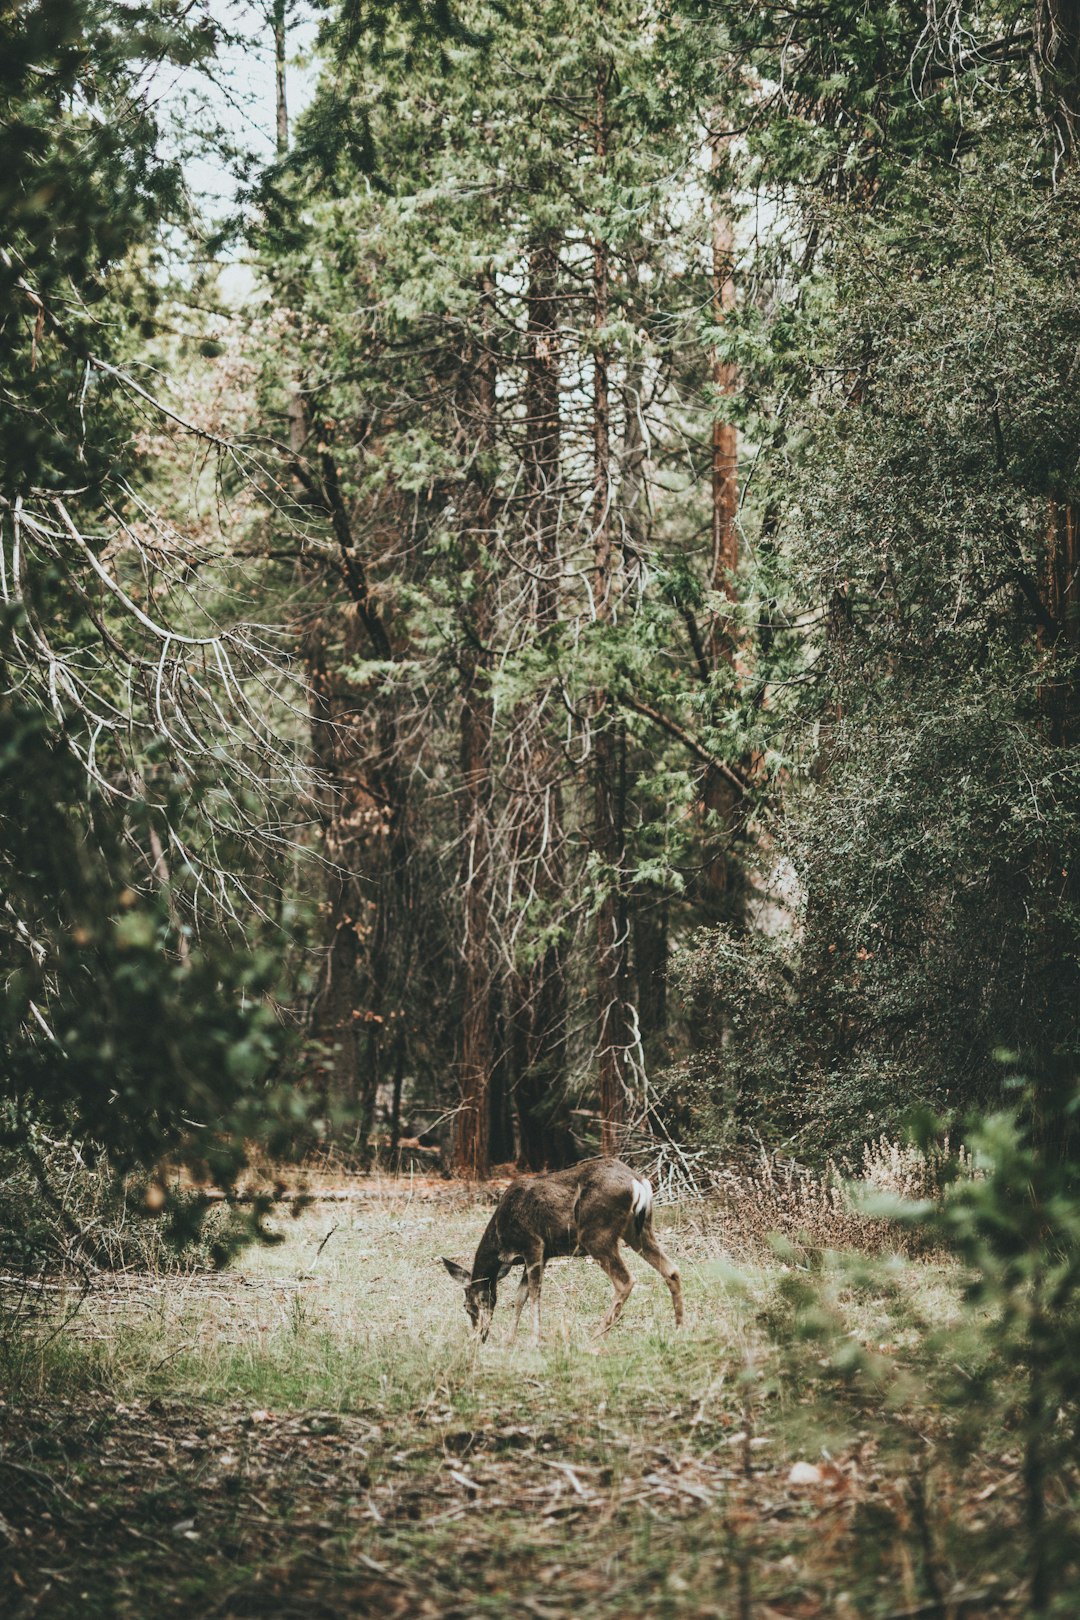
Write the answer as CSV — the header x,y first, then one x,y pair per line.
x,y
1057,68
399,1080
472,1124
650,935
609,755
362,782
719,801
384,977
1057,56
536,993
333,1022
645,906
295,408
609,748
725,447
281,108
335,999
1061,593
1057,61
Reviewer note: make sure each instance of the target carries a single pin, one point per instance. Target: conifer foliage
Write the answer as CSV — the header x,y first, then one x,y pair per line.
x,y
505,425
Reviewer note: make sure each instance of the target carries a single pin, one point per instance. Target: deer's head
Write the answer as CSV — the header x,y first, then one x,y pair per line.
x,y
480,1293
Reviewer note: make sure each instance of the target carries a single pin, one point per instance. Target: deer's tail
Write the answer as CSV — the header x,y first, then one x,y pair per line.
x,y
641,1208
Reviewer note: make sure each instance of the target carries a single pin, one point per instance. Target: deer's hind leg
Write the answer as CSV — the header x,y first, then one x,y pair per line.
x,y
622,1282
651,1252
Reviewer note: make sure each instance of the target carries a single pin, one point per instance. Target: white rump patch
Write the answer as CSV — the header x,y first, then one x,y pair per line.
x,y
642,1197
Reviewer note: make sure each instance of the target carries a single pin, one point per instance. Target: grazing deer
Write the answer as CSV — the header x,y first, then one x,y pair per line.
x,y
585,1210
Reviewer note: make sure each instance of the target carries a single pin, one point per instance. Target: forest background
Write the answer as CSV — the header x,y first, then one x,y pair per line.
x,y
585,650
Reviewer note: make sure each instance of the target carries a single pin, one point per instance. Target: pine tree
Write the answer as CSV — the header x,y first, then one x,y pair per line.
x,y
502,382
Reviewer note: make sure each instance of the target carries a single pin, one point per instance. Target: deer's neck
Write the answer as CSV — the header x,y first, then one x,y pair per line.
x,y
487,1258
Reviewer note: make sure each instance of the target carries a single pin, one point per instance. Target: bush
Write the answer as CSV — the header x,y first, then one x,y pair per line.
x,y
842,1206
65,1211
1001,1378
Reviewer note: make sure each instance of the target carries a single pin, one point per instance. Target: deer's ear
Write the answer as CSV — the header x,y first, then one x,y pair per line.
x,y
458,1273
504,1270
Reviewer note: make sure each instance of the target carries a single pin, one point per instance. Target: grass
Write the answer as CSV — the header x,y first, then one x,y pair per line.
x,y
315,1431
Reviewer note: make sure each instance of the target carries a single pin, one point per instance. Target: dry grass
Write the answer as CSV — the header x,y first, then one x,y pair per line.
x,y
834,1208
315,1432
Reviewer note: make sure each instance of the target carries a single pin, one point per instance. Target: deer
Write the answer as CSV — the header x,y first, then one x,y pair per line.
x,y
587,1210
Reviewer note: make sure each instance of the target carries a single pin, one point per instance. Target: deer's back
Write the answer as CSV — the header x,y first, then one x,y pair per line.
x,y
568,1210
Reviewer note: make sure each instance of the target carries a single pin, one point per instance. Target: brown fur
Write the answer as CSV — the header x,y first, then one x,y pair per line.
x,y
588,1209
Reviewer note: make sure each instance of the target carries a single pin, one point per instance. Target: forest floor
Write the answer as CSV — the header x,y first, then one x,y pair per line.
x,y
314,1432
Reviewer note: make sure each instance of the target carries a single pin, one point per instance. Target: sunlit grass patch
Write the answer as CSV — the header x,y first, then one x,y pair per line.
x,y
354,1312
322,1405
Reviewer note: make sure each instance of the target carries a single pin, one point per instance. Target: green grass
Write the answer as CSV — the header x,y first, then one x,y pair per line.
x,y
329,1437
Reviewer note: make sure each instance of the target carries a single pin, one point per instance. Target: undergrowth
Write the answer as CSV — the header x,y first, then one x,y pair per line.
x,y
837,1206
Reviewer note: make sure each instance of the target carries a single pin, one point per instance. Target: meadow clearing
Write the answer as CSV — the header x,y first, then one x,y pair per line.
x,y
314,1431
